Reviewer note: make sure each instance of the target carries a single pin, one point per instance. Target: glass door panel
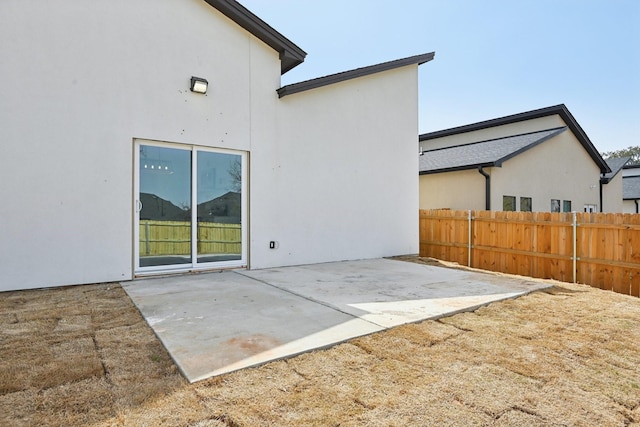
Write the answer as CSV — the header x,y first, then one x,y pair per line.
x,y
165,206
219,202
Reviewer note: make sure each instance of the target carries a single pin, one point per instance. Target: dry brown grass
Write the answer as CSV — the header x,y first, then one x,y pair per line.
x,y
569,356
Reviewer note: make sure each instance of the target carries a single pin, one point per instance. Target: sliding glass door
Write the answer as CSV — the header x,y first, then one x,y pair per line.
x,y
189,207
219,201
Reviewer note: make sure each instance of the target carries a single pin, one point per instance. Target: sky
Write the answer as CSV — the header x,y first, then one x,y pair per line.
x,y
493,58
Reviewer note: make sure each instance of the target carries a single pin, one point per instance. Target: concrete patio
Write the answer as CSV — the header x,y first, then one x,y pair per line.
x,y
214,323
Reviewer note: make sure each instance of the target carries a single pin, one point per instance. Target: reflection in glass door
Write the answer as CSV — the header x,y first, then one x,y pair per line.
x,y
170,233
165,206
219,206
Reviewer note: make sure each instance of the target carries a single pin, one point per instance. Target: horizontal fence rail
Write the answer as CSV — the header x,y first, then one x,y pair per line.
x,y
601,250
174,238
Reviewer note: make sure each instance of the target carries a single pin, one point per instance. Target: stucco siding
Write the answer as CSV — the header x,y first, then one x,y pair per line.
x,y
629,206
346,187
460,190
559,168
612,195
542,123
331,171
79,82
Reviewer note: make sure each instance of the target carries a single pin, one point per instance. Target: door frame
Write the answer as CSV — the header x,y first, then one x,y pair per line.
x,y
139,271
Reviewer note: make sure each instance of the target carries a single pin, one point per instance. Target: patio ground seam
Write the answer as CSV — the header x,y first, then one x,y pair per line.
x,y
313,300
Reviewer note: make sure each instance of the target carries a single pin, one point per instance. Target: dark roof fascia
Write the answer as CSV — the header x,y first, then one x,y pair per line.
x,y
352,74
290,54
560,110
460,168
527,147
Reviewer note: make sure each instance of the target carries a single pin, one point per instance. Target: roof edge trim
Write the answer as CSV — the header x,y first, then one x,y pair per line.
x,y
460,168
352,74
290,54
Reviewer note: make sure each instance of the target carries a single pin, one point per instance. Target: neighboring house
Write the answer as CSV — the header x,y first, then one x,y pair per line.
x,y
539,160
144,137
611,183
631,189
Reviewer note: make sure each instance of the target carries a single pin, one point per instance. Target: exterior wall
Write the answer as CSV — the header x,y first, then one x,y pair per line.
x,y
629,206
559,168
612,195
461,190
340,181
542,123
331,170
79,83
631,170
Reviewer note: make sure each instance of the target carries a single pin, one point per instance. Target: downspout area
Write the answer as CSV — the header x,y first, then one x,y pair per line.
x,y
603,181
637,210
487,187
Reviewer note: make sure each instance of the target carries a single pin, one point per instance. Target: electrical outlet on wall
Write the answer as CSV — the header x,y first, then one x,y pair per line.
x,y
273,244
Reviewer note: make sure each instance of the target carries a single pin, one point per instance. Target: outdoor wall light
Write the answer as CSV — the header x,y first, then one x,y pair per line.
x,y
199,85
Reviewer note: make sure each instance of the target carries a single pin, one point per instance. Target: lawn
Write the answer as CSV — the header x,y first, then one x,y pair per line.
x,y
567,356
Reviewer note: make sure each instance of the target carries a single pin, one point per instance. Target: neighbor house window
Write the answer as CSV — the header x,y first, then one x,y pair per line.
x,y
508,203
566,206
555,205
525,204
590,208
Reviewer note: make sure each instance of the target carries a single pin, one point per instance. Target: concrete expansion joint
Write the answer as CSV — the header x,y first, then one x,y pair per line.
x,y
306,297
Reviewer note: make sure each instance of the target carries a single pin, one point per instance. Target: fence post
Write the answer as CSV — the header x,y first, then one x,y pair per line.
x,y
146,234
469,249
575,244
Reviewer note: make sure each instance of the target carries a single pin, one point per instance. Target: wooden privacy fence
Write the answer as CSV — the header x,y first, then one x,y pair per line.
x,y
174,238
601,250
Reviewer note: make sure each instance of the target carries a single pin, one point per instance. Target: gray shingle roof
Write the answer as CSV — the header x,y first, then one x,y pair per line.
x,y
560,110
631,187
615,164
483,153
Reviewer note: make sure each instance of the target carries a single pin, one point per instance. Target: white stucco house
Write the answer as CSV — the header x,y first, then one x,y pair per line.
x,y
540,160
631,188
143,137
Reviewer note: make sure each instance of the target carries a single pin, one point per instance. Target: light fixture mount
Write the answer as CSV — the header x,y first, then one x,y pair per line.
x,y
199,85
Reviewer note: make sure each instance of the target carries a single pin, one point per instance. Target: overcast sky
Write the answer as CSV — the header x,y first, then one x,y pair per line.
x,y
493,57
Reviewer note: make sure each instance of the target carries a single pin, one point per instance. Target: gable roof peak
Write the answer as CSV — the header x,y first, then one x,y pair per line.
x,y
616,164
